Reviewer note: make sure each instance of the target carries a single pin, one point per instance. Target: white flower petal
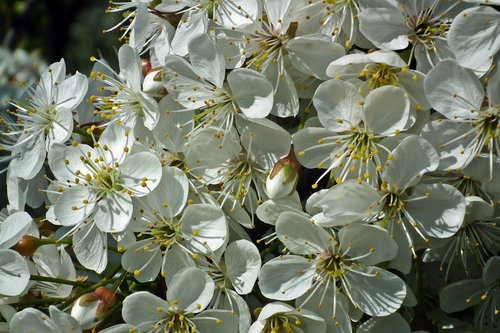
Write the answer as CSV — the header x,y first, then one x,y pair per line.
x,y
338,322
378,295
118,139
144,260
236,13
251,91
286,99
173,127
192,23
461,295
204,226
350,201
141,26
14,273
439,211
384,27
175,260
492,90
474,37
242,259
31,158
61,128
71,91
33,320
286,278
13,228
386,110
59,154
170,196
237,304
453,153
255,136
277,12
130,66
206,60
70,208
491,271
338,104
311,54
138,170
192,288
389,324
404,257
413,83
113,212
271,209
66,322
411,159
309,150
235,213
363,239
150,111
90,247
141,307
54,261
205,322
454,91
301,236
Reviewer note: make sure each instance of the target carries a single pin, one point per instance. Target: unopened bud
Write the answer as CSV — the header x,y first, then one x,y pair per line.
x,y
27,245
282,180
152,83
89,308
146,66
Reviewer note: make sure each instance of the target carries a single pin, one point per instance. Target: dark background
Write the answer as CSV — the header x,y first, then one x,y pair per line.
x,y
55,29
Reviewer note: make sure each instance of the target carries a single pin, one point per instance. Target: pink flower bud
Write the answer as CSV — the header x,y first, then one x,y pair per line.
x,y
89,308
282,180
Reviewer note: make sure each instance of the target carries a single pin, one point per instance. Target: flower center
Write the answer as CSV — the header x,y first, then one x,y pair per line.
x,y
332,265
176,321
281,323
166,233
379,75
107,180
393,205
426,27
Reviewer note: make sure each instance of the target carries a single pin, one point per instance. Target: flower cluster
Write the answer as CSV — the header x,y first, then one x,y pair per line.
x,y
273,166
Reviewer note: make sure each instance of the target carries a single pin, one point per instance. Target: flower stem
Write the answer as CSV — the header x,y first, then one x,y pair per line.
x,y
57,280
38,301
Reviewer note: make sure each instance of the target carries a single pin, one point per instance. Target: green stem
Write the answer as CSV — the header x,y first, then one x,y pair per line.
x,y
88,290
57,280
270,249
421,322
81,132
38,301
